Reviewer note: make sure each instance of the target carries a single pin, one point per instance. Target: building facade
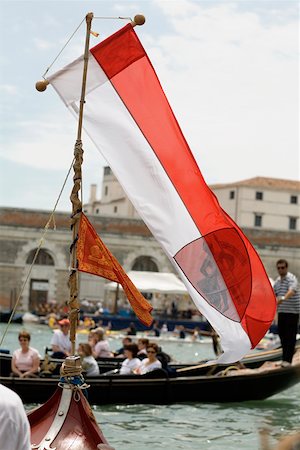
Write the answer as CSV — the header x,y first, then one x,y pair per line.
x,y
22,232
262,203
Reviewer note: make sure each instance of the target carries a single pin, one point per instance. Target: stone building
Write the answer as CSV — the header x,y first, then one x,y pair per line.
x,y
21,232
262,203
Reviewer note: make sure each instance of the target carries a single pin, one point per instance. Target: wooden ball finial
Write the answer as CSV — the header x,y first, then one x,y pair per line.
x,y
41,85
139,19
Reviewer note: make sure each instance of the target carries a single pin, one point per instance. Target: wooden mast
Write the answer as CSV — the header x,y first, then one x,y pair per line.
x,y
73,302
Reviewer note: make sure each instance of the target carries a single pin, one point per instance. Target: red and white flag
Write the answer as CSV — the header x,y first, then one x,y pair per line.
x,y
128,117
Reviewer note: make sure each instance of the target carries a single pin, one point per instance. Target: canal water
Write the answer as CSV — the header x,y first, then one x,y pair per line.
x,y
188,426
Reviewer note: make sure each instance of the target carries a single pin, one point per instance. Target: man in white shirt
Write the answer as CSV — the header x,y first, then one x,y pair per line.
x,y
14,425
60,342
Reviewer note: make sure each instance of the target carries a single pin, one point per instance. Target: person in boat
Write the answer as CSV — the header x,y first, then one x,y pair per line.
x,y
181,331
156,328
196,334
164,358
120,352
100,345
60,342
131,330
88,323
25,361
142,348
52,320
88,362
287,293
151,362
132,362
14,425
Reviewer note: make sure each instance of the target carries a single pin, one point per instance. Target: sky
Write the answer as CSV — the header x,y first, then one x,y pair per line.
x,y
230,70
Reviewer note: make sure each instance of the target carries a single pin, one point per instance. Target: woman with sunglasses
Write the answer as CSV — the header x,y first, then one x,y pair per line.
x,y
151,362
25,361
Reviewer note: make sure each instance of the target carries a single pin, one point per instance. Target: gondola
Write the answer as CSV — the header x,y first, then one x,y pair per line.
x,y
158,387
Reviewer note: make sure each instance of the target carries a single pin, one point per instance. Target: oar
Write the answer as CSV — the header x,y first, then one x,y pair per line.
x,y
199,366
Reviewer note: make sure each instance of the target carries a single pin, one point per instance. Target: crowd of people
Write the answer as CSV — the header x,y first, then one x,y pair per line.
x,y
137,357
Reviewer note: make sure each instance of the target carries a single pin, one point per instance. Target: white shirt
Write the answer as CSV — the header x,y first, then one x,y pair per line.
x,y
129,365
148,368
14,425
62,341
90,366
102,349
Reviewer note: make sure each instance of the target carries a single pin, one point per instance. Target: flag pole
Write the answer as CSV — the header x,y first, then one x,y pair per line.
x,y
73,302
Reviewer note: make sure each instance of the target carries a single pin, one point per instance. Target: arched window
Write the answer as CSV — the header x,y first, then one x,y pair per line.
x,y
145,264
43,258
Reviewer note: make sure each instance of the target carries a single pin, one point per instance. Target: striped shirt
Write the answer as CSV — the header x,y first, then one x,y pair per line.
x,y
281,286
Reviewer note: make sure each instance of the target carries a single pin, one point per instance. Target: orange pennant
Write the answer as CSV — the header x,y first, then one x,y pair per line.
x,y
94,257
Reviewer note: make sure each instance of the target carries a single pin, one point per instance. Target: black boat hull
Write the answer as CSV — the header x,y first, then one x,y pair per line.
x,y
165,390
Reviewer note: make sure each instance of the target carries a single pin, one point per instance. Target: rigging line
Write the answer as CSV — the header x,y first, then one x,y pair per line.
x,y
112,17
46,227
47,70
99,17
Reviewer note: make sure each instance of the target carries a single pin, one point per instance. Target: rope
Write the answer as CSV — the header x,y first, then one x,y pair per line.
x,y
73,34
71,378
70,370
225,371
113,17
46,227
76,388
47,70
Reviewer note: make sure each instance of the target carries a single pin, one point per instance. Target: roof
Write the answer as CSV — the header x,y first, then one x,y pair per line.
x,y
163,282
263,182
28,218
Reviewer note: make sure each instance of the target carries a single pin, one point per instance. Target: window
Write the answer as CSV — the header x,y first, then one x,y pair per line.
x,y
145,264
292,223
106,190
107,170
97,211
43,258
294,199
115,209
259,195
231,195
258,220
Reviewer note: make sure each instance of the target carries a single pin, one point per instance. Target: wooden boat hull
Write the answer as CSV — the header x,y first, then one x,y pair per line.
x,y
65,422
165,390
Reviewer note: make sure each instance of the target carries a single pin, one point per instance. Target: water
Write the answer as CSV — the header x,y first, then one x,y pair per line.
x,y
189,426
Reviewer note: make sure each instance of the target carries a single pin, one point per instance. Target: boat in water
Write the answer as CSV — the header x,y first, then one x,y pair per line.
x,y
259,375
230,384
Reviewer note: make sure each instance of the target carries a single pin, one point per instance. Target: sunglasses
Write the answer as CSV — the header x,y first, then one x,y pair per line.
x,y
151,351
281,267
